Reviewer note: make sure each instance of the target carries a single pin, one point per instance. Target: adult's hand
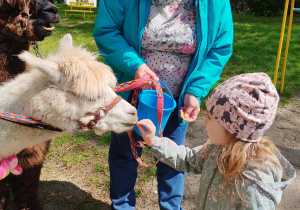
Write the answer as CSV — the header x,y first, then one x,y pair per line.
x,y
144,69
191,107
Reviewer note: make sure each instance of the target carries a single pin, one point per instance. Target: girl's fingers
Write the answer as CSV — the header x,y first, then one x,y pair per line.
x,y
146,123
142,130
147,130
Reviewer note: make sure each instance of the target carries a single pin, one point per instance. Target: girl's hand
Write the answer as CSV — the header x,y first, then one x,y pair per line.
x,y
149,133
144,69
190,109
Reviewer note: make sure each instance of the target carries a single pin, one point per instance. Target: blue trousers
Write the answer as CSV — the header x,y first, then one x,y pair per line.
x,y
123,170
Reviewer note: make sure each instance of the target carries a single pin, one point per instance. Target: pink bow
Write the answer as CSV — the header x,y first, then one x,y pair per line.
x,y
10,164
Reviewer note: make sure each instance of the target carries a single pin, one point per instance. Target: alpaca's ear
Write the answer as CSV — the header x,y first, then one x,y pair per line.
x,y
66,42
48,67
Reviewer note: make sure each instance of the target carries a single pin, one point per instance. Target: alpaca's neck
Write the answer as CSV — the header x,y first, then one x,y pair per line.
x,y
15,97
16,93
10,64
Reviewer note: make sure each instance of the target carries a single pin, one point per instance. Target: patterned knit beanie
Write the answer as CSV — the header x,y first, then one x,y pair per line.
x,y
245,105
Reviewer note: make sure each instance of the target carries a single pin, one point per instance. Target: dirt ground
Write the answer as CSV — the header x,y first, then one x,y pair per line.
x,y
64,188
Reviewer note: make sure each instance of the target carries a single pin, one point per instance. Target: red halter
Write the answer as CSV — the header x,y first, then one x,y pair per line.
x,y
97,115
120,88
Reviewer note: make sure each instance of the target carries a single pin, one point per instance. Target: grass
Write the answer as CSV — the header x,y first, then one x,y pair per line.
x,y
80,29
255,46
80,139
256,42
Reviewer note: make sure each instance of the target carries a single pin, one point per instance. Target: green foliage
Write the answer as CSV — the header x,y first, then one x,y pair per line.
x,y
152,171
239,6
101,153
75,158
61,140
138,193
80,138
265,7
99,168
105,139
261,7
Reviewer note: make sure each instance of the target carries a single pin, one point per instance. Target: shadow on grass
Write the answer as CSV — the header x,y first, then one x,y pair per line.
x,y
60,195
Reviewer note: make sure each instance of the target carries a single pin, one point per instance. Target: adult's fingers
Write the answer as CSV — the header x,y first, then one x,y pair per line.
x,y
152,75
146,86
144,69
193,115
187,114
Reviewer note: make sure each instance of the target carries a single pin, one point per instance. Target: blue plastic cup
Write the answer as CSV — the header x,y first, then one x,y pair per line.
x,y
147,108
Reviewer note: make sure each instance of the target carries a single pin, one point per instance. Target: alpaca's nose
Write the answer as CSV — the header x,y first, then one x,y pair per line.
x,y
132,112
50,8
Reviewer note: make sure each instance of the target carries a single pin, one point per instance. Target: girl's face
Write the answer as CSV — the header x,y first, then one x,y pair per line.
x,y
217,134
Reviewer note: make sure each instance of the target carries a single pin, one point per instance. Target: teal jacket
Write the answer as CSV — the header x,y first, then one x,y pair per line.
x,y
118,33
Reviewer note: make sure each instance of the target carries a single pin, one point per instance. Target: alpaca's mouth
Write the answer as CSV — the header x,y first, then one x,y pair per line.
x,y
128,124
48,27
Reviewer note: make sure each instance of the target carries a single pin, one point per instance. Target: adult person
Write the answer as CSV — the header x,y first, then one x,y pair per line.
x,y
185,44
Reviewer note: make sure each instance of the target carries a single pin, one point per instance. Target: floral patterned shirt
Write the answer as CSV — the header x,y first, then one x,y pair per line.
x,y
169,40
262,189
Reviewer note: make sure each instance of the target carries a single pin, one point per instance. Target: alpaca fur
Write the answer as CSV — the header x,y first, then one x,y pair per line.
x,y
59,91
14,38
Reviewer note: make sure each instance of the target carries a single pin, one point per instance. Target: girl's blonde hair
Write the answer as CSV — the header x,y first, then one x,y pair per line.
x,y
233,160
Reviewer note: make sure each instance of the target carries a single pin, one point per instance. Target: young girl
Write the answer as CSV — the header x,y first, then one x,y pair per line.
x,y
240,168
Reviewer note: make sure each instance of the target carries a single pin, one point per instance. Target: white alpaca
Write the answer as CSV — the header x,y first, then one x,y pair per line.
x,y
59,91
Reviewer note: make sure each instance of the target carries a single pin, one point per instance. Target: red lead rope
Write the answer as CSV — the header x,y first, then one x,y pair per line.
x,y
160,104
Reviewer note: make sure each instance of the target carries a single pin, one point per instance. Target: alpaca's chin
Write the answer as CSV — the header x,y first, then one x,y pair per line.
x,y
102,128
99,132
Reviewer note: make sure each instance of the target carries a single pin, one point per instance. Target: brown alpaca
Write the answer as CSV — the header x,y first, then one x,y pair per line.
x,y
15,37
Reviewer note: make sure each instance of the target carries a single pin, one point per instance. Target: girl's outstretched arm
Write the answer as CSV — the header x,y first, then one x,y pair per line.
x,y
178,157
